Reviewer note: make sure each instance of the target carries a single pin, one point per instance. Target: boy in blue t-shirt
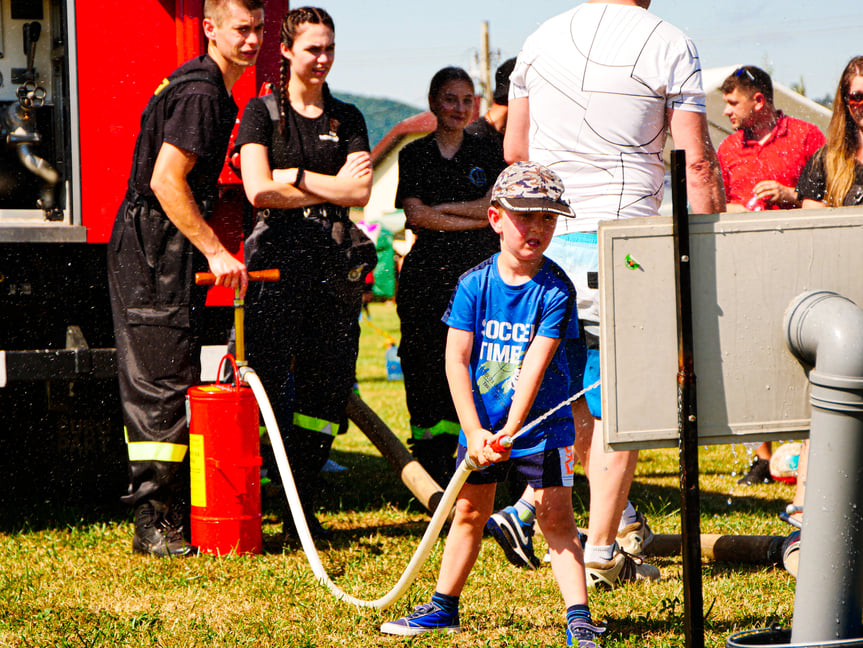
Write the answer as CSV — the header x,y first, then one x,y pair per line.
x,y
505,367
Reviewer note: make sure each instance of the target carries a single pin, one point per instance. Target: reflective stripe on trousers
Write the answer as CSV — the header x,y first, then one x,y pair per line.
x,y
441,427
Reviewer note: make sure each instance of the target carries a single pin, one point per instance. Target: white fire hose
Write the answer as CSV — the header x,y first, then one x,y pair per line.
x,y
429,537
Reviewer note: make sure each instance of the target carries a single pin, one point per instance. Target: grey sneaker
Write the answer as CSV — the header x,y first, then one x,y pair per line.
x,y
636,537
583,634
622,568
791,553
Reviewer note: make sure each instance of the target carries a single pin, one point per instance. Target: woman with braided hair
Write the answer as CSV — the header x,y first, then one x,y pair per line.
x,y
305,162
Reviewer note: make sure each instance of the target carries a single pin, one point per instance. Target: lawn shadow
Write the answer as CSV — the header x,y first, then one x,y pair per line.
x,y
343,538
38,511
634,628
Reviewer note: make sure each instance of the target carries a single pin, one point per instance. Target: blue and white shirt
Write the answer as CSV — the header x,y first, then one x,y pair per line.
x,y
504,320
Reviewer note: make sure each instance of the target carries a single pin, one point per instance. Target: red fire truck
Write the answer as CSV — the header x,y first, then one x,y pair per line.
x,y
74,78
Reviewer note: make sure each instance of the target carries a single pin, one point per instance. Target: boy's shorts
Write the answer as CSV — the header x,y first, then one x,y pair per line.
x,y
578,254
541,470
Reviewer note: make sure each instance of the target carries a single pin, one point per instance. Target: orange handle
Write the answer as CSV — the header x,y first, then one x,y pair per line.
x,y
208,278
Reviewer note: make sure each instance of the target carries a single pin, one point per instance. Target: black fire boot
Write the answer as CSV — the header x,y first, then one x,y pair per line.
x,y
159,532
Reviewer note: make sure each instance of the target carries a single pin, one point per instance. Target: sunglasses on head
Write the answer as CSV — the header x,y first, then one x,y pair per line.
x,y
854,100
742,71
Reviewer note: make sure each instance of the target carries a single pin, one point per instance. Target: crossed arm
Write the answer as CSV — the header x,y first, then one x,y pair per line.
x,y
266,187
773,192
448,217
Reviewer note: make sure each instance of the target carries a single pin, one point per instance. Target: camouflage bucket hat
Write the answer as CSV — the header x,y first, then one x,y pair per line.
x,y
530,187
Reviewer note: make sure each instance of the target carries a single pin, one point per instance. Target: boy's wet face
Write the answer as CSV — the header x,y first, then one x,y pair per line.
x,y
524,235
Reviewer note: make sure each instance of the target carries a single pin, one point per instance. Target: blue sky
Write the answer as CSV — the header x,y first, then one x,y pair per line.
x,y
391,48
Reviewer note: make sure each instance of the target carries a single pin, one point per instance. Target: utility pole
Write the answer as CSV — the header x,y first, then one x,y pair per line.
x,y
485,70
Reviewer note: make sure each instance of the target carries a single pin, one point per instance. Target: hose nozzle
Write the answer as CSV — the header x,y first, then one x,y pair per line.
x,y
500,444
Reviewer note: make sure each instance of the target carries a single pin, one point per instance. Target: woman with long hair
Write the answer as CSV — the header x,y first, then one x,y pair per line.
x,y
304,157
445,179
834,175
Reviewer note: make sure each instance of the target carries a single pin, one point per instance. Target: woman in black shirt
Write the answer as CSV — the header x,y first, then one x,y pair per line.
x,y
305,161
833,177
444,184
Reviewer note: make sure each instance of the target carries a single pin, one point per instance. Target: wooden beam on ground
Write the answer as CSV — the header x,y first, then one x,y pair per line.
x,y
414,476
751,549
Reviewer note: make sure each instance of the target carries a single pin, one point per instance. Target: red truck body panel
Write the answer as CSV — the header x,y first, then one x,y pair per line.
x,y
118,74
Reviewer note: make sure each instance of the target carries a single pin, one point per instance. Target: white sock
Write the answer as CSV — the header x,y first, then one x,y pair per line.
x,y
628,516
598,553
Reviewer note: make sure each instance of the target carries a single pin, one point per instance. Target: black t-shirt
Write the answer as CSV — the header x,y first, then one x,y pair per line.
x,y
425,174
812,184
482,127
197,117
320,145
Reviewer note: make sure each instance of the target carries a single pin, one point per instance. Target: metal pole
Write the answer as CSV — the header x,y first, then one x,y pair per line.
x,y
690,512
239,330
826,330
485,68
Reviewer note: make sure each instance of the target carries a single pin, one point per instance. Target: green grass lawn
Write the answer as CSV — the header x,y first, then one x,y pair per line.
x,y
68,577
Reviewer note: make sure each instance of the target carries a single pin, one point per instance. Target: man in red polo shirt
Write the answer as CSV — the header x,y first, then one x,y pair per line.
x,y
762,160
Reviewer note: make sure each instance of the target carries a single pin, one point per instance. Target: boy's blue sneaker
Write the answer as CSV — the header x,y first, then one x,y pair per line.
x,y
514,537
583,634
425,618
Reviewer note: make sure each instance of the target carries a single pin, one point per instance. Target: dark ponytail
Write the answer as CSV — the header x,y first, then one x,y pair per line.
x,y
291,23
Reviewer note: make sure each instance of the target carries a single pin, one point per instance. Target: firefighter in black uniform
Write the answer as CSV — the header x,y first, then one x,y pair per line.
x,y
305,162
445,180
160,237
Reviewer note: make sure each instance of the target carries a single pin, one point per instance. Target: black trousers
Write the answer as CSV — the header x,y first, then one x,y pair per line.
x,y
302,337
424,295
156,312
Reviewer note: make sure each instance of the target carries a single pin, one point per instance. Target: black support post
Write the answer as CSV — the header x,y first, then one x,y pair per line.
x,y
690,509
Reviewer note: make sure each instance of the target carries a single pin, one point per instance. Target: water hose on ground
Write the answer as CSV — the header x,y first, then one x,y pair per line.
x,y
429,537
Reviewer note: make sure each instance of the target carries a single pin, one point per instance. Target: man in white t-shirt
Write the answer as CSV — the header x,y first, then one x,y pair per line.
x,y
592,95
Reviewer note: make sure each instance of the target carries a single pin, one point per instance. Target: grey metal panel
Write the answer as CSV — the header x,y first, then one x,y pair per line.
x,y
42,233
746,269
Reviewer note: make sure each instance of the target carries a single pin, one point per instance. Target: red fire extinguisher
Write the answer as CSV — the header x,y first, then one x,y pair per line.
x,y
225,463
224,453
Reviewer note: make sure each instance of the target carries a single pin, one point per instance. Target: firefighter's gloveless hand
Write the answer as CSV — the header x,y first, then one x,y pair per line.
x,y
229,272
